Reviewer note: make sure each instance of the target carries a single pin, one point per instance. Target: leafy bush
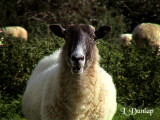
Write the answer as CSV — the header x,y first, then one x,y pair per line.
x,y
135,12
11,110
136,72
18,58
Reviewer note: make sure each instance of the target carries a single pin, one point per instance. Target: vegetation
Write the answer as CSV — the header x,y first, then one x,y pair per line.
x,y
136,71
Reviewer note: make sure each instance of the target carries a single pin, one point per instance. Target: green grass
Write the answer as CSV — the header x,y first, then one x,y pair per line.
x,y
12,110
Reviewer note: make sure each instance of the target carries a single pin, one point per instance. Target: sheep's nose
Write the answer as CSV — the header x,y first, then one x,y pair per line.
x,y
77,58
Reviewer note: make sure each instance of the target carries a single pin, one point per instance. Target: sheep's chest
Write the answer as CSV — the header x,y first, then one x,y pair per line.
x,y
79,97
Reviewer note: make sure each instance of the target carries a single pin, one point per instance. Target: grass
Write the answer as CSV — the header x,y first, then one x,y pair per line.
x,y
12,110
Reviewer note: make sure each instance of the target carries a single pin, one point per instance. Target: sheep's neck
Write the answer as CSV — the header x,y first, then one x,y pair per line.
x,y
70,81
76,83
78,91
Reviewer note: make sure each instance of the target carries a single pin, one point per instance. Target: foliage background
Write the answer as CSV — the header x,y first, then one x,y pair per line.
x,y
136,71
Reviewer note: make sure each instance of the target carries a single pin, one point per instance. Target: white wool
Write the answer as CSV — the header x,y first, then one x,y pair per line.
x,y
45,63
46,80
53,92
15,31
125,39
148,32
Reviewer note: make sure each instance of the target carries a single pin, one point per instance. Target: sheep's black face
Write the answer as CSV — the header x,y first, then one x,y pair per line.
x,y
79,48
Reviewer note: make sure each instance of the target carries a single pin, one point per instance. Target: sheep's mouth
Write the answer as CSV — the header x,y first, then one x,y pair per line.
x,y
77,70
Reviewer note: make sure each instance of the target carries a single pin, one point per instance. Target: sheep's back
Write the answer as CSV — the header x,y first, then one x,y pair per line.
x,y
15,31
22,33
147,32
10,31
46,62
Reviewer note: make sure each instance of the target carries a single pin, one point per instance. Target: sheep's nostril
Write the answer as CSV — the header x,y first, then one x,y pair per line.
x,y
81,58
77,58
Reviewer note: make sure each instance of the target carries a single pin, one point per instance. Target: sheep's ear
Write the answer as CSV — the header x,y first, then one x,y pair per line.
x,y
102,31
57,30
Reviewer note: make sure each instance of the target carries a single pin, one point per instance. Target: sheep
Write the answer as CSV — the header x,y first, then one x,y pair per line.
x,y
125,39
15,31
74,87
148,33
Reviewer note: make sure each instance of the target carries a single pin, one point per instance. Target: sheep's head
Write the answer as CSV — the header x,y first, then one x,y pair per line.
x,y
79,48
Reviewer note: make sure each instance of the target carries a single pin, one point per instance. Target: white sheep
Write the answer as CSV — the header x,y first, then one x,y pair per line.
x,y
74,87
147,32
125,39
15,31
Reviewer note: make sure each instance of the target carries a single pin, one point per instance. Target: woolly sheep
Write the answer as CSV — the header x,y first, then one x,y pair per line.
x,y
74,87
15,31
125,39
147,32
